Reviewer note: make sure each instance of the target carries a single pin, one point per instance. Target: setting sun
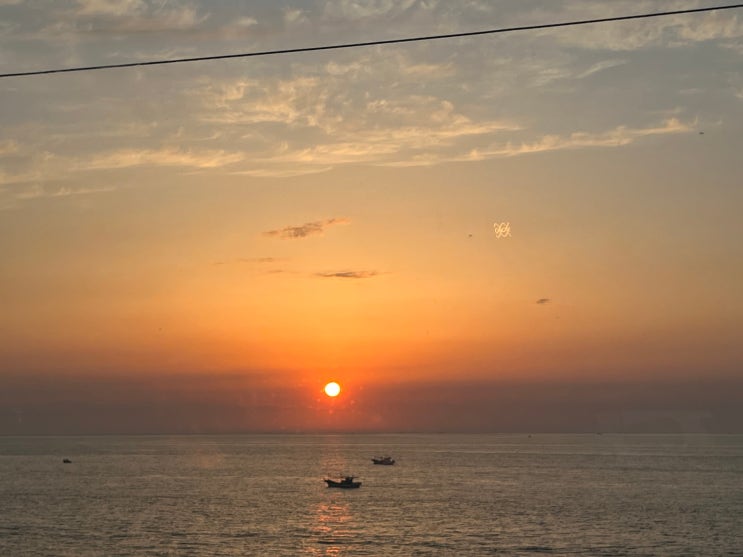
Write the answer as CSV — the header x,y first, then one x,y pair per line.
x,y
332,389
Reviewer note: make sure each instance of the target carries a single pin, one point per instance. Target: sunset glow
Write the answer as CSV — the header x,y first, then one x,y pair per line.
x,y
457,230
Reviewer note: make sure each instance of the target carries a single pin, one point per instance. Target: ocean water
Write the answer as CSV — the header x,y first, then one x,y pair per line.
x,y
446,495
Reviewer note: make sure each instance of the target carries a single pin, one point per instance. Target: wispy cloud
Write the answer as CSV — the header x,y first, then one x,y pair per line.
x,y
294,17
313,116
111,7
352,10
349,274
617,137
673,31
306,229
137,16
327,124
287,101
37,191
601,66
273,169
160,157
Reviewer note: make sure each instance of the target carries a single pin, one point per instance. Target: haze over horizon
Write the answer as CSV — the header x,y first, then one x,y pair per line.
x,y
201,247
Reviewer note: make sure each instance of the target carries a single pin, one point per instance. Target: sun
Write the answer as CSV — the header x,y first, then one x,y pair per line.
x,y
332,389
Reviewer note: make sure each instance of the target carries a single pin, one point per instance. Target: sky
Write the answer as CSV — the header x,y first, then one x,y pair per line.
x,y
528,231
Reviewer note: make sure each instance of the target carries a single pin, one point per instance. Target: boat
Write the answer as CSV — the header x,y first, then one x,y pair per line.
x,y
388,460
66,461
344,483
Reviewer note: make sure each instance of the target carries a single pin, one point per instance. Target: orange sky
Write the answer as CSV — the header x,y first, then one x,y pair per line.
x,y
244,232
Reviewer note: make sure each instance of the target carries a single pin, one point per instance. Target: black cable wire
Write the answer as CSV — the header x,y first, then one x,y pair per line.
x,y
372,43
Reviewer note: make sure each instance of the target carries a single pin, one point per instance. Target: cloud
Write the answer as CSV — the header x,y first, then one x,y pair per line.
x,y
246,22
294,16
276,170
8,147
288,101
321,113
711,26
307,229
136,16
353,10
672,31
430,70
601,66
36,191
617,137
326,124
111,7
543,301
125,158
349,274
10,198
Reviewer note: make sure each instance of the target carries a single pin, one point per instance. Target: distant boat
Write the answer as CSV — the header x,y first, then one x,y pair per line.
x,y
344,483
66,461
387,460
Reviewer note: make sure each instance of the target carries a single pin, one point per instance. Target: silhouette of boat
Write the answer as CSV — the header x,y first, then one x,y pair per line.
x,y
388,460
344,483
66,461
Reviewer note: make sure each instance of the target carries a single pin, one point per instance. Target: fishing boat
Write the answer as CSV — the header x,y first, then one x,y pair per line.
x,y
344,483
387,460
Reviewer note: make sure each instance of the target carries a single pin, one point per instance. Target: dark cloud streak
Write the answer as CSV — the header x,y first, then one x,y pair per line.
x,y
349,274
307,229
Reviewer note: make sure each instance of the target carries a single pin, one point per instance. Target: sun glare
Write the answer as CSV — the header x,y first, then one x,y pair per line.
x,y
332,389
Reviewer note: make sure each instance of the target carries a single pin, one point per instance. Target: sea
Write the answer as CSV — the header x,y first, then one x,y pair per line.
x,y
522,494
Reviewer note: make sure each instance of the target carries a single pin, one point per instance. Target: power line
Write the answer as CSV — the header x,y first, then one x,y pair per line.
x,y
371,43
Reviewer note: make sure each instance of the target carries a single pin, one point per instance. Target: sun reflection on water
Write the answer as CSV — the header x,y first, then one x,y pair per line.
x,y
332,526
332,520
